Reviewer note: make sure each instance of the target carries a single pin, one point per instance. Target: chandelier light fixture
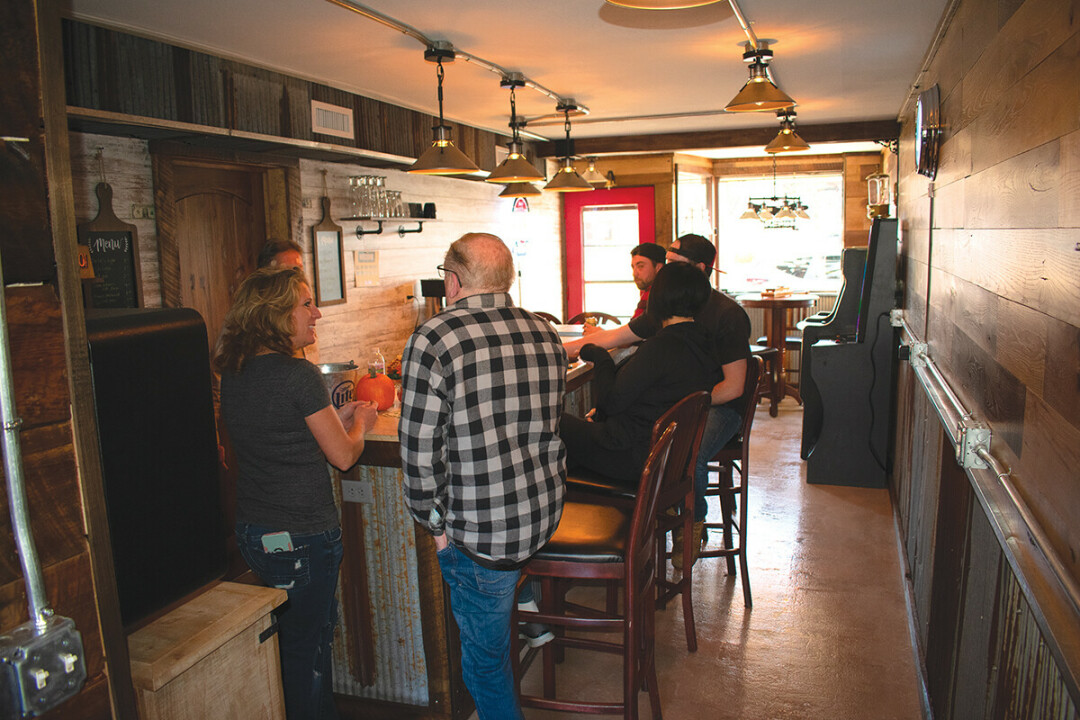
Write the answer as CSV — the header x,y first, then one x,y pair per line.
x,y
567,179
787,140
777,211
442,158
760,92
515,168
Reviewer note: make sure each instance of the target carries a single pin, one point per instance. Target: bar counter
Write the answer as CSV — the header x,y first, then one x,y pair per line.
x,y
396,649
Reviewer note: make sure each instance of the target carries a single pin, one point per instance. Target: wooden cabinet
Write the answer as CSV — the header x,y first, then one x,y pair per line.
x,y
211,657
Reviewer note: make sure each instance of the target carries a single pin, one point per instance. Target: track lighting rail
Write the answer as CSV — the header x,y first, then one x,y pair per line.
x,y
427,42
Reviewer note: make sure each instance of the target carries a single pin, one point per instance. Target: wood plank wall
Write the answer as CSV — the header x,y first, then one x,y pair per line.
x,y
115,72
40,279
379,316
991,271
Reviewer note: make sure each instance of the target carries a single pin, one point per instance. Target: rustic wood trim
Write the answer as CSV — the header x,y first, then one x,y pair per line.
x,y
61,201
837,132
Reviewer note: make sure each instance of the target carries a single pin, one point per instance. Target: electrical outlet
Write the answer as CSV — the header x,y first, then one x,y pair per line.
x,y
357,491
39,669
139,212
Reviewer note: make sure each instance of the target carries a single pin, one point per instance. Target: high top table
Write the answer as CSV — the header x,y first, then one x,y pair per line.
x,y
776,315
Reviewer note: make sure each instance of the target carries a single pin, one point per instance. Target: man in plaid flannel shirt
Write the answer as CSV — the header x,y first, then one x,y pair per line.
x,y
484,466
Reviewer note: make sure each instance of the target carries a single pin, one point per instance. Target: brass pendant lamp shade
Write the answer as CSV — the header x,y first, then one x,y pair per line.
x,y
515,168
592,175
760,92
520,189
442,158
567,179
787,140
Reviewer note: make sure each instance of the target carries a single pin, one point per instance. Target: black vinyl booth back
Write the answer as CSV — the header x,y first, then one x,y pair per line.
x,y
152,391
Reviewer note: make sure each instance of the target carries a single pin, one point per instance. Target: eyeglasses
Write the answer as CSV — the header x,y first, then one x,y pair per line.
x,y
444,270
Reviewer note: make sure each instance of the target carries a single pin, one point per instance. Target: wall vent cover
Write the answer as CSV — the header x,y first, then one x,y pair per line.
x,y
331,120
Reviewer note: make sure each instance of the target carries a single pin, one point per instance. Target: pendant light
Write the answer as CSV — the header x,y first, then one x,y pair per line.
x,y
567,179
515,168
787,140
442,158
593,176
520,189
759,92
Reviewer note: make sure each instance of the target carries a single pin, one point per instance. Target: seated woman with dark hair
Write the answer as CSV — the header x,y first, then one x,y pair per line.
x,y
614,437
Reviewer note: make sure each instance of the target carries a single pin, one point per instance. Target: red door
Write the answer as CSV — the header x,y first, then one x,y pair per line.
x,y
602,227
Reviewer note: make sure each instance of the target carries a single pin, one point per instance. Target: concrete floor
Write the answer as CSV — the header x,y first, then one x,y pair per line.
x,y
828,634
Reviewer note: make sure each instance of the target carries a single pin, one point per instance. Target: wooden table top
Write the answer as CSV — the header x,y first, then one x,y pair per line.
x,y
789,301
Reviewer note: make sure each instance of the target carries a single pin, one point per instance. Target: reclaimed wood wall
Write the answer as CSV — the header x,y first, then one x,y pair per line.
x,y
62,477
114,72
991,271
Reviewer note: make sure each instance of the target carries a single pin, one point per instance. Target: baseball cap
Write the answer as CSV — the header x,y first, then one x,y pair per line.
x,y
652,251
696,249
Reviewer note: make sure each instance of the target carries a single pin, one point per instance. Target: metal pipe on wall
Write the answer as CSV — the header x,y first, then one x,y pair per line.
x,y
1026,547
20,511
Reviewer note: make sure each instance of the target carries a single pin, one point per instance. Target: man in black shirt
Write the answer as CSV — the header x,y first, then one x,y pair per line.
x,y
729,326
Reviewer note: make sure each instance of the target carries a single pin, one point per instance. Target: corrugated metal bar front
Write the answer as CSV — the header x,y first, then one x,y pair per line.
x,y
400,672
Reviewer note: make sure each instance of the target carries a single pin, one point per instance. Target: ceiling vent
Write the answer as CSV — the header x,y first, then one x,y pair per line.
x,y
331,120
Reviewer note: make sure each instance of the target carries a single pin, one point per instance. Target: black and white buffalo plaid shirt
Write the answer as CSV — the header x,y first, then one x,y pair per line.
x,y
483,386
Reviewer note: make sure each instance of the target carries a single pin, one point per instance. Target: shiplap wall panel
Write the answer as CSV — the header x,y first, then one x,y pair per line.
x,y
992,269
383,316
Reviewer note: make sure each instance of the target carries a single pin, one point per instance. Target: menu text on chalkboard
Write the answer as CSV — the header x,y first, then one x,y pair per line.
x,y
113,257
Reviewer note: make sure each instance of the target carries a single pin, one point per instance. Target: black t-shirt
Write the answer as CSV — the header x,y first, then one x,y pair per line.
x,y
283,479
727,323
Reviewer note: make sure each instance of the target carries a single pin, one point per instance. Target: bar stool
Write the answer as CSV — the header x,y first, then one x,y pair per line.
x,y
768,387
611,543
735,456
676,506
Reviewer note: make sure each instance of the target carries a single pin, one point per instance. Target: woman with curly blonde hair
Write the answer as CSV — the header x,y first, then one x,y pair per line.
x,y
284,429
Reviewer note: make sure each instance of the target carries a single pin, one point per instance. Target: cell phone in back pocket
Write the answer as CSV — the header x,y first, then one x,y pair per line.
x,y
277,542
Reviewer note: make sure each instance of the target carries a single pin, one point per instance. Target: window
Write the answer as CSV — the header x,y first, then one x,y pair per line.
x,y
804,259
609,233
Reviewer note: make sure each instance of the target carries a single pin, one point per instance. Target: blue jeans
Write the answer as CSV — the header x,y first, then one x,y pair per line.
x,y
482,601
309,574
720,426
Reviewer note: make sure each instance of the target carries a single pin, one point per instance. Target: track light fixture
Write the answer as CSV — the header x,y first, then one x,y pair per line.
x,y
760,92
442,158
567,179
515,168
787,140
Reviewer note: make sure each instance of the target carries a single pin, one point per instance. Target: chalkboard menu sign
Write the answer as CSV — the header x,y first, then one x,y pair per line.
x,y
114,256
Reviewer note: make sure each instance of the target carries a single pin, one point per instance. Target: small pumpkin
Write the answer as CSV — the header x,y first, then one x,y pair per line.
x,y
378,388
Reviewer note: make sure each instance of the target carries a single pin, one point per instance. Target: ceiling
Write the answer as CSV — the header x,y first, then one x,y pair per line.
x,y
843,61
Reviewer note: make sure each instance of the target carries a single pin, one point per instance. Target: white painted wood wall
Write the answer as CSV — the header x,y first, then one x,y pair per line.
x,y
382,316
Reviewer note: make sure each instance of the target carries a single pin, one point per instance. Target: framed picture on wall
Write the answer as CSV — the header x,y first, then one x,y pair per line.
x,y
329,255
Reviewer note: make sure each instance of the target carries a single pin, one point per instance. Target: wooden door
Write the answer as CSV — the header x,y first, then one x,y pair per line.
x,y
218,225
